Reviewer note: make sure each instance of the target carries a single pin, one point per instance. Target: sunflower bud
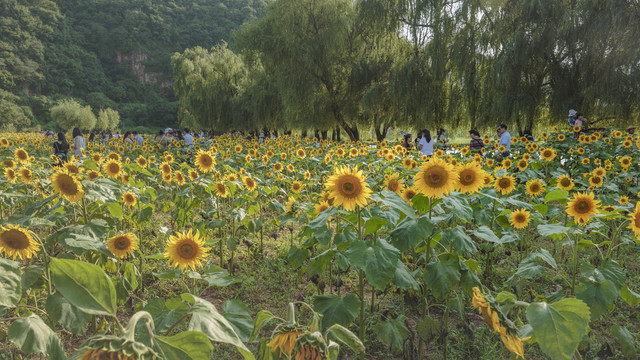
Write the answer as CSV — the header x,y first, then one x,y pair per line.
x,y
310,346
109,347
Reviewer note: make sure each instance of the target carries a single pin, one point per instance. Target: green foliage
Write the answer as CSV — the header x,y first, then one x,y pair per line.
x,y
15,117
108,119
69,114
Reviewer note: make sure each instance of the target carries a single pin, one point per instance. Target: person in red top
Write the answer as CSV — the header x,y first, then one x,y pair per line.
x,y
476,145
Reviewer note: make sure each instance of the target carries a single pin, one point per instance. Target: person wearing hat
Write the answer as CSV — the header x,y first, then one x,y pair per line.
x,y
572,117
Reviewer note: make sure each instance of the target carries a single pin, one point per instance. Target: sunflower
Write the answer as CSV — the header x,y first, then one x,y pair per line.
x,y
290,168
142,162
9,164
123,245
523,164
17,242
301,153
186,250
548,154
625,161
623,200
393,184
595,181
585,161
205,161
296,187
73,168
169,158
249,183
277,167
582,206
436,178
21,155
178,177
565,182
321,206
520,218
10,174
92,174
289,204
193,175
634,219
129,199
67,185
505,184
165,168
348,188
284,341
408,194
112,168
534,187
25,175
470,178
599,171
221,190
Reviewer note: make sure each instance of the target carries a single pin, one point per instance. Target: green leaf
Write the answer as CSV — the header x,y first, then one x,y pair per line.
x,y
239,316
115,209
262,318
394,201
559,327
187,345
215,276
627,343
556,195
165,313
10,283
378,261
555,231
33,336
462,242
206,318
403,279
85,285
81,238
411,231
599,296
442,276
320,263
337,310
393,332
428,329
609,270
531,267
345,336
297,257
629,296
485,233
69,316
459,206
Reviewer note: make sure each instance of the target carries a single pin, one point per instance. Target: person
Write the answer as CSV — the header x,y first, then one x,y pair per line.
x,y
426,143
138,139
406,143
631,129
442,139
476,145
572,117
61,148
505,140
528,135
128,141
165,140
579,120
78,142
188,138
159,135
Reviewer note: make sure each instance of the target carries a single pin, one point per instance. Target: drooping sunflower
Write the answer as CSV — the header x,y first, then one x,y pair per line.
x,y
393,184
205,161
348,188
520,218
534,188
123,245
178,177
10,174
67,185
129,199
249,183
289,204
112,168
634,219
285,341
470,178
17,242
505,184
435,178
582,206
565,182
21,155
186,250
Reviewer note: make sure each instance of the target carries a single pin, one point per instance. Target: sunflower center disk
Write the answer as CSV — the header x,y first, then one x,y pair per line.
x,y
15,240
187,251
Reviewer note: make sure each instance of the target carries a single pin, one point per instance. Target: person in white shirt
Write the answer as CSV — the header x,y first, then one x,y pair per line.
x,y
188,138
426,143
78,142
505,140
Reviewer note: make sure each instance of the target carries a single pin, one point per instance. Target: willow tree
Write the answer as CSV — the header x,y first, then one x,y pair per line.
x,y
310,47
207,84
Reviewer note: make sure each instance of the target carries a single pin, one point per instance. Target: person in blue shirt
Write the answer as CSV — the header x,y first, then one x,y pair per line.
x,y
505,140
137,138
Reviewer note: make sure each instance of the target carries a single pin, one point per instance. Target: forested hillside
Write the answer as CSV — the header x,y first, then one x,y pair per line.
x,y
104,53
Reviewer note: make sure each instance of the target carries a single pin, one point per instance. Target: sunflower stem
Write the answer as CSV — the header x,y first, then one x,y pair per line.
x,y
84,211
46,263
575,264
362,331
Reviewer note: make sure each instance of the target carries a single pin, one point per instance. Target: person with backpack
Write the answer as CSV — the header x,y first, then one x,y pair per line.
x,y
61,148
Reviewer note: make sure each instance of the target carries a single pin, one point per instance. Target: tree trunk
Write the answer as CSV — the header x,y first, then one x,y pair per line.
x,y
324,134
381,133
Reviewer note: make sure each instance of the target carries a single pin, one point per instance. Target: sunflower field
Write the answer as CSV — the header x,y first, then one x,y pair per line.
x,y
303,249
